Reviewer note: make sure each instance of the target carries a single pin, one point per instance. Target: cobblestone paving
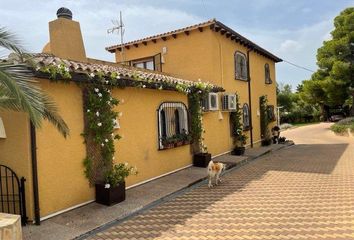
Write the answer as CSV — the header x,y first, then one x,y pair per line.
x,y
303,192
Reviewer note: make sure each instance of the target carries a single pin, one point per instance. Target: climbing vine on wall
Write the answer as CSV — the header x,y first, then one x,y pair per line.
x,y
239,138
99,133
263,108
195,97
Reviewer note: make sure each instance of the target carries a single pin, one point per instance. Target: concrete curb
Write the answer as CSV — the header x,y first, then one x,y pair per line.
x,y
170,196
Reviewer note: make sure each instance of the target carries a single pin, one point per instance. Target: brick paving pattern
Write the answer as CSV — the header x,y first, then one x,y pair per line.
x,y
303,192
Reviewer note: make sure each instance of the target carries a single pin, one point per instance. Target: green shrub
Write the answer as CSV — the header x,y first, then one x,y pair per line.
x,y
339,129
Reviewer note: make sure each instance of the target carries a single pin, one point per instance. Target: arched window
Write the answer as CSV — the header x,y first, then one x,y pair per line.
x,y
268,80
172,123
246,117
241,66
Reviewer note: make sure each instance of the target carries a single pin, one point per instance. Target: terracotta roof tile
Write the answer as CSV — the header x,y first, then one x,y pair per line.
x,y
180,30
44,60
214,24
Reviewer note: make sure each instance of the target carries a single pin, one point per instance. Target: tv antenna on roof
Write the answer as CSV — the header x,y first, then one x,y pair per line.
x,y
119,27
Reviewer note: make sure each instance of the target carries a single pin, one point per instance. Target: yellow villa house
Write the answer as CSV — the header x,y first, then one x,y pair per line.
x,y
152,85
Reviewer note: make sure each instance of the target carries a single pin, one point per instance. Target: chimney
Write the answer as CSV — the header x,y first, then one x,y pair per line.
x,y
65,39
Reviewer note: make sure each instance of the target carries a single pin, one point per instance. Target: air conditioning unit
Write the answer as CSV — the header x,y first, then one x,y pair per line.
x,y
229,102
210,103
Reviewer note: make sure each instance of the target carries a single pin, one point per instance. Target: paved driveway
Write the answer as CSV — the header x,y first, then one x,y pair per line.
x,y
302,192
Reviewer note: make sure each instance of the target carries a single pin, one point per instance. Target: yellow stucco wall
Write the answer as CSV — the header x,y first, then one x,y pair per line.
x,y
60,166
60,170
139,129
210,56
15,150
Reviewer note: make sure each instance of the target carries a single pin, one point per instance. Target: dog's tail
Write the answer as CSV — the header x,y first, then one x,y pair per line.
x,y
210,165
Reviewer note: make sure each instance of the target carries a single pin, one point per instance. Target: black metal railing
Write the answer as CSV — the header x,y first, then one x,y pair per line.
x,y
12,193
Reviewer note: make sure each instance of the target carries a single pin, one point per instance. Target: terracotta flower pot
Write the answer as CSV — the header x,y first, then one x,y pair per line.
x,y
110,196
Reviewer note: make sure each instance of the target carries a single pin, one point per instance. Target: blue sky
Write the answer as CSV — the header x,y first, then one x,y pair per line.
x,y
293,30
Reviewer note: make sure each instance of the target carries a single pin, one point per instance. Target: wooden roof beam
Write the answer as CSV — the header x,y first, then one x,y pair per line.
x,y
164,38
223,31
186,32
136,45
145,43
200,29
174,36
127,47
154,40
228,35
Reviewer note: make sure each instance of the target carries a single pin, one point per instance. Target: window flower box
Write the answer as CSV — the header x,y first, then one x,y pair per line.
x,y
176,140
179,143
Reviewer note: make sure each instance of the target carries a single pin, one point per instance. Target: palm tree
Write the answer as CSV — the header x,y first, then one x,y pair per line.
x,y
19,91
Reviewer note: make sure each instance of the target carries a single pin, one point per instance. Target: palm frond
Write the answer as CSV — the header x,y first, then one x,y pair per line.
x,y
20,92
9,41
17,80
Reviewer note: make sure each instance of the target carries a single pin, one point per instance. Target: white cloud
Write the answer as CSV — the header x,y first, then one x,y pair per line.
x,y
289,45
140,21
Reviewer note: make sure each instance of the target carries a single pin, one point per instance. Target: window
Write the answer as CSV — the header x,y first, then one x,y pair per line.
x,y
150,63
240,66
147,63
268,80
172,123
246,117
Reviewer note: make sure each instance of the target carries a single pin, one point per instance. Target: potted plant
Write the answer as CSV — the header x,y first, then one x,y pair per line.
x,y
239,148
239,138
266,138
112,190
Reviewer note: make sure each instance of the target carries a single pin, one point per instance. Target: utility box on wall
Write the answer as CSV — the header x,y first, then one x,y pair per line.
x,y
2,129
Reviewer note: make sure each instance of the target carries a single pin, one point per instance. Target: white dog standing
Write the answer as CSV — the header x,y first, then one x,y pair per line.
x,y
214,171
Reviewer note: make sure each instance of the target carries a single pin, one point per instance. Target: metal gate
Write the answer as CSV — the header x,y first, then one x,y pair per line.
x,y
12,193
